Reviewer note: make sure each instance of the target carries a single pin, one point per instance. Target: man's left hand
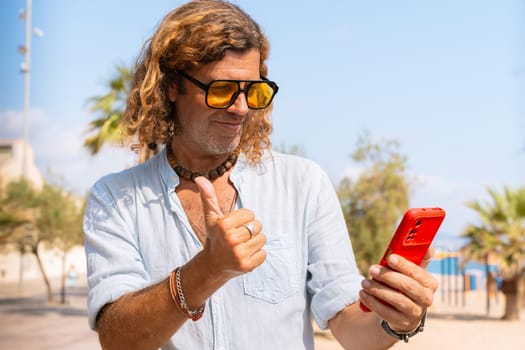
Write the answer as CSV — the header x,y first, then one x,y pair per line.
x,y
400,293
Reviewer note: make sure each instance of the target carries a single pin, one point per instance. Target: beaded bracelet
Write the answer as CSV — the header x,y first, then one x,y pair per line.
x,y
177,295
405,335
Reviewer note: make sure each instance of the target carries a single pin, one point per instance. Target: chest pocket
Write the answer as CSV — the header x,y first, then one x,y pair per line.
x,y
276,279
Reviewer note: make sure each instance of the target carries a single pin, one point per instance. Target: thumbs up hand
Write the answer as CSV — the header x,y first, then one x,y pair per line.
x,y
234,241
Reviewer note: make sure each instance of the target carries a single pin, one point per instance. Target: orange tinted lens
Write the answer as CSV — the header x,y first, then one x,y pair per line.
x,y
260,95
220,93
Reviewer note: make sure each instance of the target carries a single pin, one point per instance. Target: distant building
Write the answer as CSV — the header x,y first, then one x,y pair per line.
x,y
453,272
12,165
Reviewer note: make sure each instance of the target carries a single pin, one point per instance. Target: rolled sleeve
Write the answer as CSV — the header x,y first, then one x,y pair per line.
x,y
114,264
334,297
334,278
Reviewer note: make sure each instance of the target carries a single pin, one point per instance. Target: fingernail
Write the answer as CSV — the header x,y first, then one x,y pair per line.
x,y
393,259
366,283
374,270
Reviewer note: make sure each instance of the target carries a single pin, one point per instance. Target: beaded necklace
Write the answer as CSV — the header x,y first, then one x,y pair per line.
x,y
191,175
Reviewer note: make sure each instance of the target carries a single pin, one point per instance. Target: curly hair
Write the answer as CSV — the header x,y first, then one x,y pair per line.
x,y
193,35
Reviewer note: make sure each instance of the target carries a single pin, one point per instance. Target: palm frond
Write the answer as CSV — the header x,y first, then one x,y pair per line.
x,y
106,128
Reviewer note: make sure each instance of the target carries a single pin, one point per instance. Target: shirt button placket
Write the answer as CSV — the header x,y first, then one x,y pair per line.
x,y
219,334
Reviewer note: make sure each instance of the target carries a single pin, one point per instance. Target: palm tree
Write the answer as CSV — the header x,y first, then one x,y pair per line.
x,y
501,232
110,108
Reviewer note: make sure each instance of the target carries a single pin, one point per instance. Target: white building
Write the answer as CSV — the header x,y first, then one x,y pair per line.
x,y
12,165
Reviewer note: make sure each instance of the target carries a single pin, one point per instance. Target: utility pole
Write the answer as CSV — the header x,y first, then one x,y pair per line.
x,y
26,70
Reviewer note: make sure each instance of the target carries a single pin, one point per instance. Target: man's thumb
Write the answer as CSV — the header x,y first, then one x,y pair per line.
x,y
209,199
428,257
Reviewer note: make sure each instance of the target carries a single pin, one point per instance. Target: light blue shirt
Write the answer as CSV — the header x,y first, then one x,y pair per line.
x,y
137,232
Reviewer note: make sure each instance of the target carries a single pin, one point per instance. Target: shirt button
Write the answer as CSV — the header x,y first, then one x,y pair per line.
x,y
216,300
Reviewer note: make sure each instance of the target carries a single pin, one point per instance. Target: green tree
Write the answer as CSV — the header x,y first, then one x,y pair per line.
x,y
10,219
20,202
501,233
9,222
109,107
373,202
50,217
60,224
17,209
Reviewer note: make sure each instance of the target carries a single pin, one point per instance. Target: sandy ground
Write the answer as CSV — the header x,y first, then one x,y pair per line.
x,y
27,321
451,326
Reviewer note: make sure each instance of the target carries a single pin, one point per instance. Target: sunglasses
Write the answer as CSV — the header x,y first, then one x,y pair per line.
x,y
222,94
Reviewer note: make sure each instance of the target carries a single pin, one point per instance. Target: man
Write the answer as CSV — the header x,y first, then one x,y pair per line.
x,y
242,257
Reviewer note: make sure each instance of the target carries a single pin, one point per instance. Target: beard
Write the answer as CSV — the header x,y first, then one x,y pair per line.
x,y
220,147
212,145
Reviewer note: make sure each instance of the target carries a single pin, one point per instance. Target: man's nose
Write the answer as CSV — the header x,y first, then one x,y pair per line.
x,y
240,105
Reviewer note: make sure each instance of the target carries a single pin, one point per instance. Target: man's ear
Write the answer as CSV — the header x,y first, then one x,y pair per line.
x,y
173,91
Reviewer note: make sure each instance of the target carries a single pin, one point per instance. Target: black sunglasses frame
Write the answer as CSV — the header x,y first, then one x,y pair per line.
x,y
205,87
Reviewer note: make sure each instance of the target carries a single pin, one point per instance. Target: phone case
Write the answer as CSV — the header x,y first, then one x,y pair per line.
x,y
413,235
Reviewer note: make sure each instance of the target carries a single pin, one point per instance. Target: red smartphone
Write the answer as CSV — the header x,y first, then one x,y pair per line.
x,y
413,236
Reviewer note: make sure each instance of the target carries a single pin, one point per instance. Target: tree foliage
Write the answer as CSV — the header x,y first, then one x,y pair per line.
x,y
18,204
374,201
500,233
109,108
60,219
51,217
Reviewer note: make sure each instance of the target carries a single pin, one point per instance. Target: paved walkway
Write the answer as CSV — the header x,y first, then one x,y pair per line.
x,y
28,321
457,326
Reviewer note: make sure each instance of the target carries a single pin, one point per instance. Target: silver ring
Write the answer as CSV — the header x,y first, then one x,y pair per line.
x,y
249,226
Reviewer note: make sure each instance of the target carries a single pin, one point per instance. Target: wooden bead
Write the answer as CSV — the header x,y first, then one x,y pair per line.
x,y
191,175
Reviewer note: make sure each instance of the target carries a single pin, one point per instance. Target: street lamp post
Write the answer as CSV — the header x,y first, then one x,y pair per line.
x,y
26,70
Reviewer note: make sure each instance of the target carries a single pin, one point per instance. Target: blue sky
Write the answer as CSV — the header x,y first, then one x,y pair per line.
x,y
445,78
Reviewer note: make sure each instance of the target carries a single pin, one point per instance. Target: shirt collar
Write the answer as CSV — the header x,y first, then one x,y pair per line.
x,y
169,176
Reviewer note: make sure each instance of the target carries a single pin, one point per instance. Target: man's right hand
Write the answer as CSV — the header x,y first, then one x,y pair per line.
x,y
232,249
